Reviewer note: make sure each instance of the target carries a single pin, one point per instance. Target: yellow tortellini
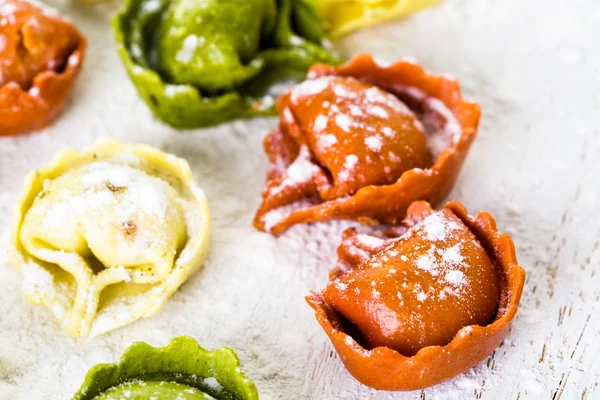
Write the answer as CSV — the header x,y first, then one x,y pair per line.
x,y
344,16
104,236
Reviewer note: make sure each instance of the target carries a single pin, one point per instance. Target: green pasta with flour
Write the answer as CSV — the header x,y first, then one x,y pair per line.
x,y
203,62
181,370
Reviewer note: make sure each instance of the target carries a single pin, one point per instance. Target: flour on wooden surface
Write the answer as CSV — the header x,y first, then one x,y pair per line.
x,y
250,294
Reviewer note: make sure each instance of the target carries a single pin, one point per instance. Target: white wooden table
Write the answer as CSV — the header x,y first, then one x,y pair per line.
x,y
535,68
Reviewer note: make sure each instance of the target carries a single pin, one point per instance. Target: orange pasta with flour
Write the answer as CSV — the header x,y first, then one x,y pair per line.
x,y
362,141
413,305
40,58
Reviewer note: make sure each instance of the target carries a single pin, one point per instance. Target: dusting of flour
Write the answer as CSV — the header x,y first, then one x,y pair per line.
x,y
250,294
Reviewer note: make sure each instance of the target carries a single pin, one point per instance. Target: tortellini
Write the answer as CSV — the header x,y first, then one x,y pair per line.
x,y
203,62
41,55
181,370
104,236
344,16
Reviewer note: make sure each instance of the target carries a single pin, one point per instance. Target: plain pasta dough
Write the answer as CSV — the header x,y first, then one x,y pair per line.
x,y
104,236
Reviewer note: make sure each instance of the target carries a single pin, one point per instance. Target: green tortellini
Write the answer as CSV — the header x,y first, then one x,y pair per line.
x,y
202,62
181,370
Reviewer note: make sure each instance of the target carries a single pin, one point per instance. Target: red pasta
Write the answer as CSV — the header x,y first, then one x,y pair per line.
x,y
414,305
362,141
40,58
